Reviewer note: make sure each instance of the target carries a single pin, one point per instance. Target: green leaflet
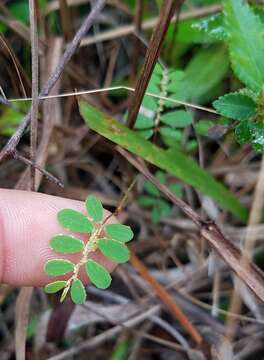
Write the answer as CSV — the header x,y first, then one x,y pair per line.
x,y
97,274
58,267
114,250
54,287
78,293
235,106
74,221
66,244
174,162
119,232
94,208
246,43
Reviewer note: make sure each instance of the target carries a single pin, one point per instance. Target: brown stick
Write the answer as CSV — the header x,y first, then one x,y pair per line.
x,y
69,52
168,9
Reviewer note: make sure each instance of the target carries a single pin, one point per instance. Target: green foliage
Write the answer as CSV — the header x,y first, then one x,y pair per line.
x,y
94,208
173,161
160,207
78,293
114,250
119,232
98,275
74,221
58,267
246,43
110,239
205,71
66,244
235,106
11,117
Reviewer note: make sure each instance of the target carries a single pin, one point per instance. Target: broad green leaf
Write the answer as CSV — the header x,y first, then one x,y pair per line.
x,y
94,208
58,267
235,106
246,43
144,122
178,119
206,70
74,221
66,244
119,232
19,9
78,293
114,250
174,162
98,275
54,287
145,134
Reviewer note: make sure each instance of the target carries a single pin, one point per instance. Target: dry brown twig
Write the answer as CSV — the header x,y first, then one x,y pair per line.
x,y
69,52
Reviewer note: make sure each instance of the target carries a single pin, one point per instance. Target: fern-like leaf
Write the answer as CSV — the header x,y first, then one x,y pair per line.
x,y
246,43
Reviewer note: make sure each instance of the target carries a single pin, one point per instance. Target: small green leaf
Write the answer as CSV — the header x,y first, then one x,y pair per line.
x,y
66,244
119,232
58,267
98,275
94,208
74,221
179,119
114,250
54,287
151,189
235,106
202,127
146,201
176,189
78,293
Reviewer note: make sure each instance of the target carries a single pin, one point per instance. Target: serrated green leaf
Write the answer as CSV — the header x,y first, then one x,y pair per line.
x,y
175,163
58,267
114,250
54,287
235,106
66,244
94,208
97,274
177,119
246,43
243,132
75,221
119,232
78,293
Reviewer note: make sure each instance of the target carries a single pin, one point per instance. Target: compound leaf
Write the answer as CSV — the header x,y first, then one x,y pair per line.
x,y
66,244
119,232
97,274
94,208
75,221
235,106
246,43
114,250
78,293
54,287
58,267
